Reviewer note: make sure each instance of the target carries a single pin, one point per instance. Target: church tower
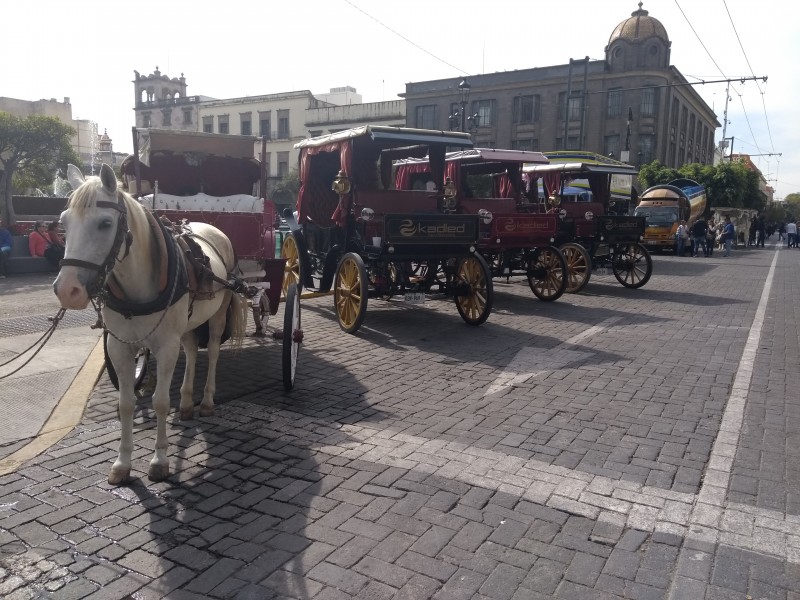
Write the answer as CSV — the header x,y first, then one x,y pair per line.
x,y
162,102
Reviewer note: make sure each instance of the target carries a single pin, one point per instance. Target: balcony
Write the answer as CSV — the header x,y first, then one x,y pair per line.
x,y
168,102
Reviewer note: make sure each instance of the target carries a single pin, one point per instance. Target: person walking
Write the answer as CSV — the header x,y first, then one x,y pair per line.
x,y
699,230
728,235
711,237
681,237
791,234
761,231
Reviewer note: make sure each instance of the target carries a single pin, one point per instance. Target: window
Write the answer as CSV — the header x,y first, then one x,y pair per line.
x,y
611,146
646,146
208,124
283,124
673,118
525,109
648,107
485,111
572,143
425,117
187,117
574,107
614,105
245,124
166,118
146,120
525,144
222,124
283,164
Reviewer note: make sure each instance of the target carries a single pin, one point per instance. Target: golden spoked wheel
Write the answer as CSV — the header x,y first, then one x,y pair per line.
x,y
579,267
472,273
632,265
291,275
350,292
547,274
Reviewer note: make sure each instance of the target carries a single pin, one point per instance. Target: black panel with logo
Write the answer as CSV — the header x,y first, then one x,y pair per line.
x,y
617,229
431,229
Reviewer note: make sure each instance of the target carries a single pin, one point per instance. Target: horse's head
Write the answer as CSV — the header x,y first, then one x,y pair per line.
x,y
95,223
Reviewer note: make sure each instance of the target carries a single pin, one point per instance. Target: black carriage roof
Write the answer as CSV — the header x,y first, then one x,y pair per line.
x,y
487,155
392,136
581,162
215,144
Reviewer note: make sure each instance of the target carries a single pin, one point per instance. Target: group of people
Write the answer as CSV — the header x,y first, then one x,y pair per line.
x,y
705,234
45,240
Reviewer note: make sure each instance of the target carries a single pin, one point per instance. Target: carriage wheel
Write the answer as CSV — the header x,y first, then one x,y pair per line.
x,y
579,267
632,265
475,305
291,252
350,292
140,373
547,273
292,336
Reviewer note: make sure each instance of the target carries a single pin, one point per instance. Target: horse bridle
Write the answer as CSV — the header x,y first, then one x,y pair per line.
x,y
95,287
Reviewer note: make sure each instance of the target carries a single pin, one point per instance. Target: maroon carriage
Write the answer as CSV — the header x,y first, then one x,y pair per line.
x,y
216,179
514,238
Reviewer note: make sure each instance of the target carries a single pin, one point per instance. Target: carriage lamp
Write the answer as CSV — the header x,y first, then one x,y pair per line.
x,y
341,184
367,214
449,188
588,215
486,216
554,199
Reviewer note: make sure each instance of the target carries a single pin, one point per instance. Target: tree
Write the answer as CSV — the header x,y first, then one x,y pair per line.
x,y
655,173
286,190
31,149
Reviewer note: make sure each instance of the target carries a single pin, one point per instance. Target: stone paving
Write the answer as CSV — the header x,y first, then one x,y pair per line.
x,y
586,448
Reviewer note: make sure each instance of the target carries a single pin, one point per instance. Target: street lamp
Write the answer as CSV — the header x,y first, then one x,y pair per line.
x,y
459,118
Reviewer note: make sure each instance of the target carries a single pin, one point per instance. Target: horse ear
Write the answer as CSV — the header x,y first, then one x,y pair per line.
x,y
108,179
74,176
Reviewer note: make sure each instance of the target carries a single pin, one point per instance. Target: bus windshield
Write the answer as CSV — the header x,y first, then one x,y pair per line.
x,y
657,216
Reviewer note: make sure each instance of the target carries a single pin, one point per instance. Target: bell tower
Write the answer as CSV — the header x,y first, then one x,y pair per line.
x,y
155,97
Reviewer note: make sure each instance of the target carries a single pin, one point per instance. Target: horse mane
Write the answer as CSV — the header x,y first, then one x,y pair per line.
x,y
83,199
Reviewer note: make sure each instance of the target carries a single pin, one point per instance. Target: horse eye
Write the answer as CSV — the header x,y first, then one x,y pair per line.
x,y
104,224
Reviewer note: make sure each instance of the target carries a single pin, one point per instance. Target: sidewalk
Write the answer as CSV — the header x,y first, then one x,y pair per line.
x,y
36,399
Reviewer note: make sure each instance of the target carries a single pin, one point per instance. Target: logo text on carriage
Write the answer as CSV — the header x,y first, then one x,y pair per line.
x,y
524,225
410,228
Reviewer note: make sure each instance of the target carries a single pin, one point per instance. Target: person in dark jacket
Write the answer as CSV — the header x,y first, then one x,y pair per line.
x,y
699,230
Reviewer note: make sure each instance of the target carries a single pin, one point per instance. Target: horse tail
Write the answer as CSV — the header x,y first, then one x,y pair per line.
x,y
238,320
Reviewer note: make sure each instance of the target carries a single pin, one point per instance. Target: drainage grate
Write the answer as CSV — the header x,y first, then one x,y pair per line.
x,y
41,323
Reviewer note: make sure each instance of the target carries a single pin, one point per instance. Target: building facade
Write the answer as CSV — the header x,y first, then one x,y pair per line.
x,y
282,118
633,105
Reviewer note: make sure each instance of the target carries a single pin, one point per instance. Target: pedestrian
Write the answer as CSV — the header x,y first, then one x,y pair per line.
x,y
54,235
681,237
711,237
38,240
699,230
761,231
781,231
791,234
5,249
728,235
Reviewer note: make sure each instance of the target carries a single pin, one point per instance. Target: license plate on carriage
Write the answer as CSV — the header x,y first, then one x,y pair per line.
x,y
602,271
414,298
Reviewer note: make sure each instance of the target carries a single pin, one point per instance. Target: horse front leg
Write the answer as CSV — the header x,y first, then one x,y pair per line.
x,y
189,343
123,359
166,357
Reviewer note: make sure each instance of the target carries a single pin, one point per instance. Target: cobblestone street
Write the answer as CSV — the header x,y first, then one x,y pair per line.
x,y
613,444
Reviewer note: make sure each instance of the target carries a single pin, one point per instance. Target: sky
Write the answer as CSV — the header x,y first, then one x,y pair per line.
x,y
87,50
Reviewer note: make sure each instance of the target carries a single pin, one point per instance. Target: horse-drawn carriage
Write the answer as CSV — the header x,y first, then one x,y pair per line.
x,y
356,233
591,237
514,238
185,176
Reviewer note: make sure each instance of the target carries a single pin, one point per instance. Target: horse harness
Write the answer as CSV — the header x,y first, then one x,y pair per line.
x,y
184,265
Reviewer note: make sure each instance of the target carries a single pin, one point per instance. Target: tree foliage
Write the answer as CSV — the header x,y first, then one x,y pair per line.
x,y
727,184
31,150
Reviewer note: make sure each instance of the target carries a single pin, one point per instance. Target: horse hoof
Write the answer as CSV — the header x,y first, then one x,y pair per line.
x,y
158,472
187,413
206,412
119,476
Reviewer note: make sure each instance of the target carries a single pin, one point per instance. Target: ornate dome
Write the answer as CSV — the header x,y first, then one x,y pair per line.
x,y
638,27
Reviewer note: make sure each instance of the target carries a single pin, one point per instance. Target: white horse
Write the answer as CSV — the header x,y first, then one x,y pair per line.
x,y
119,256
